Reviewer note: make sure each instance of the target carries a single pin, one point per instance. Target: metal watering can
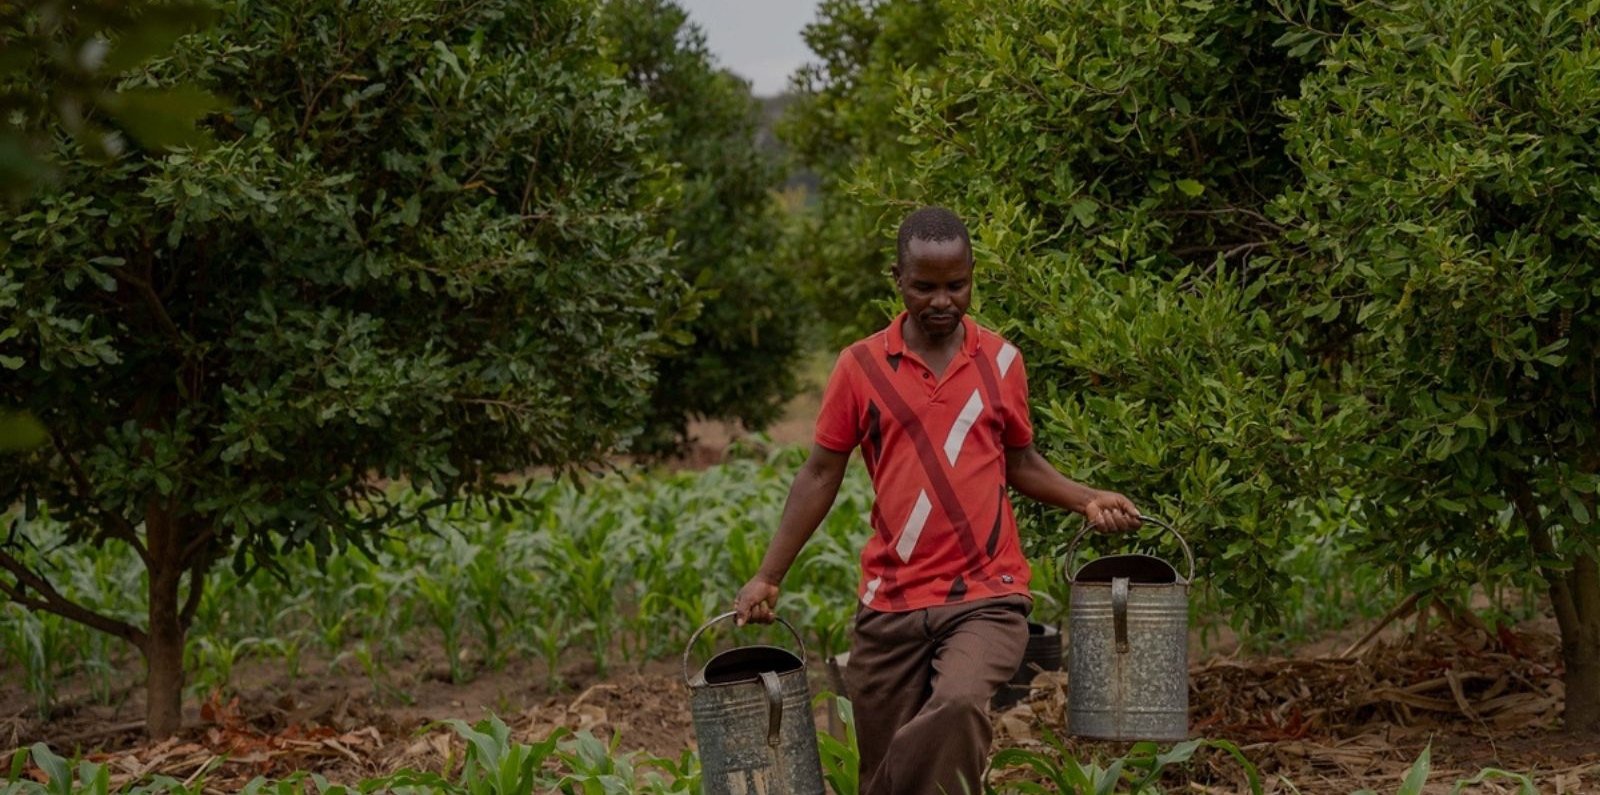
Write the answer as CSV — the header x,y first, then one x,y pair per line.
x,y
1128,632
752,720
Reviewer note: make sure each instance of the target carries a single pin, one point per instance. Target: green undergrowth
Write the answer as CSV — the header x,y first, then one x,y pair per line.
x,y
491,762
618,569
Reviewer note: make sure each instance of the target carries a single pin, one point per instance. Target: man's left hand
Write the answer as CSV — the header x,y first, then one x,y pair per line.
x,y
1111,512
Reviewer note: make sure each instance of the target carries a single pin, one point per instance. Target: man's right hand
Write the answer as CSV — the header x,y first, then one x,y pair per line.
x,y
755,602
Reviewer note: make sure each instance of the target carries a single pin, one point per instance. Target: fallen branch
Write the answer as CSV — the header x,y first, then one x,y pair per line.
x,y
1400,611
104,731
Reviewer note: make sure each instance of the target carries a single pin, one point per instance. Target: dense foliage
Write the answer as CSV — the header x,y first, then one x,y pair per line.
x,y
1441,258
843,110
724,230
59,69
1096,151
421,248
1274,260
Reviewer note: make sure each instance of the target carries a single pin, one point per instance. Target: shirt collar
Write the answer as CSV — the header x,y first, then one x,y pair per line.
x,y
895,341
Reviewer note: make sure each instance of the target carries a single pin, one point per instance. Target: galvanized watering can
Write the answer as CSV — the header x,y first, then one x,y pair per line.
x,y
1128,636
752,720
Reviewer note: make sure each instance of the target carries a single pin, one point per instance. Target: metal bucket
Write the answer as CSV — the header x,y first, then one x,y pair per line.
x,y
752,720
1042,654
1128,631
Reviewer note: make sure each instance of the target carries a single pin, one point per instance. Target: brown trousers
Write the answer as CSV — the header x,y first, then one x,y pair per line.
x,y
920,683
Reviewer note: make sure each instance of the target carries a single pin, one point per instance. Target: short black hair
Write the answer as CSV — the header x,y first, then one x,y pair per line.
x,y
933,224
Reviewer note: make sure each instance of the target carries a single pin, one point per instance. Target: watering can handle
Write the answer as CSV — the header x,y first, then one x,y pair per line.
x,y
688,647
1072,548
774,707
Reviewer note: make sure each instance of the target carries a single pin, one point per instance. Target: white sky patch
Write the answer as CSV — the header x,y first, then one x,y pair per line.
x,y
758,39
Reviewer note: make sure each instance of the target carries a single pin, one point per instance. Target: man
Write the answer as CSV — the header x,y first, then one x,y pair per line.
x,y
939,407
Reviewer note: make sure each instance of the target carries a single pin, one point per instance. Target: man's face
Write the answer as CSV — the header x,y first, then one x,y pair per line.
x,y
935,281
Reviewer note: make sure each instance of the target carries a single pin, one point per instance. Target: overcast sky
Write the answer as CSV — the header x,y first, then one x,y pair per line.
x,y
758,39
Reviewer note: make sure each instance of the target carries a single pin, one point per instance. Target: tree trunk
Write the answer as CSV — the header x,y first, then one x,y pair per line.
x,y
163,649
1575,598
1579,620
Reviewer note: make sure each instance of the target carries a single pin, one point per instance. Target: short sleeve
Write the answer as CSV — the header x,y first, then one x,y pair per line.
x,y
1014,382
838,421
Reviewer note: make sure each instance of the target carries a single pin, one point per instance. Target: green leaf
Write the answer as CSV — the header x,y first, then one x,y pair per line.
x,y
1580,512
56,769
20,431
1085,210
1417,776
154,31
1190,187
162,118
19,168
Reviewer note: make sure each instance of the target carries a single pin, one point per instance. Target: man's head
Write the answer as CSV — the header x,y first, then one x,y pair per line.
x,y
933,270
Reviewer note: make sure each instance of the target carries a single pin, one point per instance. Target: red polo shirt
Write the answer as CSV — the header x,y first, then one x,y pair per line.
x,y
943,531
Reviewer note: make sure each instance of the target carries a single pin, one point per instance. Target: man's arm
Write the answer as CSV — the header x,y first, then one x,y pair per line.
x,y
810,496
1034,477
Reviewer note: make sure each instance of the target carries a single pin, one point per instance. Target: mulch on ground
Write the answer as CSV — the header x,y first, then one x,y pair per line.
x,y
1318,726
1337,724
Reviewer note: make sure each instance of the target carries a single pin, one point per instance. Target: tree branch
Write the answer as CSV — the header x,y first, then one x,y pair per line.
x,y
153,300
1586,574
115,525
198,543
1229,250
1269,223
338,71
516,409
51,601
1561,596
191,603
